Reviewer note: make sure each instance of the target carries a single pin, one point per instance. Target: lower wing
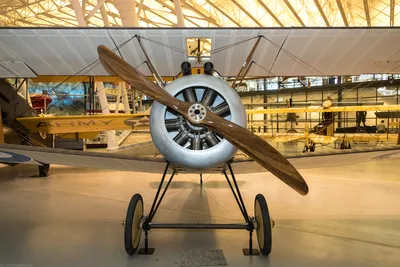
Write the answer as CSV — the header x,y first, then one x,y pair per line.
x,y
17,154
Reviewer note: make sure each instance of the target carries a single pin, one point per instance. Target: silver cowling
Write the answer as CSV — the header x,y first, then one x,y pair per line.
x,y
187,145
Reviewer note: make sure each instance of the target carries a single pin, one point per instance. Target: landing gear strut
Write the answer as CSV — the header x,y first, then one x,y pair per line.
x,y
136,222
44,170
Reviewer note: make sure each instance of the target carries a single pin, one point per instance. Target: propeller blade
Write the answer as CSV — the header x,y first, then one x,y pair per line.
x,y
251,144
258,149
115,65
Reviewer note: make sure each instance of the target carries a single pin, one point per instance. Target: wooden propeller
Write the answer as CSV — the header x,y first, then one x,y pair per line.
x,y
251,144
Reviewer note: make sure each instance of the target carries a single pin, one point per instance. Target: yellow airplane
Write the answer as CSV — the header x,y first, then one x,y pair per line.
x,y
321,109
323,139
85,123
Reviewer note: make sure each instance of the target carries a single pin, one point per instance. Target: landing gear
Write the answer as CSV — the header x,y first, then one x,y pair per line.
x,y
44,170
345,145
133,228
135,222
264,225
310,147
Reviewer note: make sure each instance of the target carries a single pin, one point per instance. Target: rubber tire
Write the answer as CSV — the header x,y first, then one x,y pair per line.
x,y
44,170
264,220
130,247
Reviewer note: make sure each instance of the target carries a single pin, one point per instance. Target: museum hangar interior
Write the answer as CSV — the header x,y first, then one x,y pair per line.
x,y
199,133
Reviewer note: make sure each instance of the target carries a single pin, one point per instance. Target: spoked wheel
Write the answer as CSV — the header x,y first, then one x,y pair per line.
x,y
44,170
264,226
133,228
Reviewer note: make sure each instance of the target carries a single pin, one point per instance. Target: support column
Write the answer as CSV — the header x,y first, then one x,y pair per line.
x,y
127,12
122,93
179,14
101,92
76,5
104,16
125,99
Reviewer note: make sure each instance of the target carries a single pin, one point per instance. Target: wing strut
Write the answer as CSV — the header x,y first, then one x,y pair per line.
x,y
246,65
154,72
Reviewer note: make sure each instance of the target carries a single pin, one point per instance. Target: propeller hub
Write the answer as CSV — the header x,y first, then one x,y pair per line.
x,y
197,112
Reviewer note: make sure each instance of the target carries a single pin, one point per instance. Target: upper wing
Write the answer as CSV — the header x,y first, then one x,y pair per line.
x,y
320,109
80,124
322,159
12,154
323,42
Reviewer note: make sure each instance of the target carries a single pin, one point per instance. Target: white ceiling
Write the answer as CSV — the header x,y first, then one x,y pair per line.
x,y
321,51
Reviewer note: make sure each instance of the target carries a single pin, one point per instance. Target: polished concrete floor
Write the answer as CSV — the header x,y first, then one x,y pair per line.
x,y
351,217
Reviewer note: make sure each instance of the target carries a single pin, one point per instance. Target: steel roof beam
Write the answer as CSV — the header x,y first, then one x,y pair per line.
x,y
367,16
220,10
342,13
173,10
50,16
247,13
145,19
145,8
104,16
209,18
269,11
140,7
94,10
26,21
321,11
294,12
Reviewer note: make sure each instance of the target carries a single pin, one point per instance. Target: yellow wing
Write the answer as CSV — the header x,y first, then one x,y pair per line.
x,y
85,124
322,139
320,109
281,137
289,137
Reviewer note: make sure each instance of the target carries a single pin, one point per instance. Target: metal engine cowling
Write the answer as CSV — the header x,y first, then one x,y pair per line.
x,y
196,147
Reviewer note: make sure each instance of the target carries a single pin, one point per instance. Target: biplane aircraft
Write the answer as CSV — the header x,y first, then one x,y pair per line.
x,y
207,117
319,136
198,124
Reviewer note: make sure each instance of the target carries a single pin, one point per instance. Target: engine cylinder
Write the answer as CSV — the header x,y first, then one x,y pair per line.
x,y
195,146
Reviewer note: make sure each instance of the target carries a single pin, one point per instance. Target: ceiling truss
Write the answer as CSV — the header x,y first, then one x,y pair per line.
x,y
206,13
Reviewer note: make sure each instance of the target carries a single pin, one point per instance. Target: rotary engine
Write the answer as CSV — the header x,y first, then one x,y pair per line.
x,y
195,146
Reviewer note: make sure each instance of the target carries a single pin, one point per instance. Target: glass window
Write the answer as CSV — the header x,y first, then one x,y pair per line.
x,y
66,98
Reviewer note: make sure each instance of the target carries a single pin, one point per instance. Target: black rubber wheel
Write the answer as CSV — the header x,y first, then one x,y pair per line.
x,y
133,231
44,170
264,225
